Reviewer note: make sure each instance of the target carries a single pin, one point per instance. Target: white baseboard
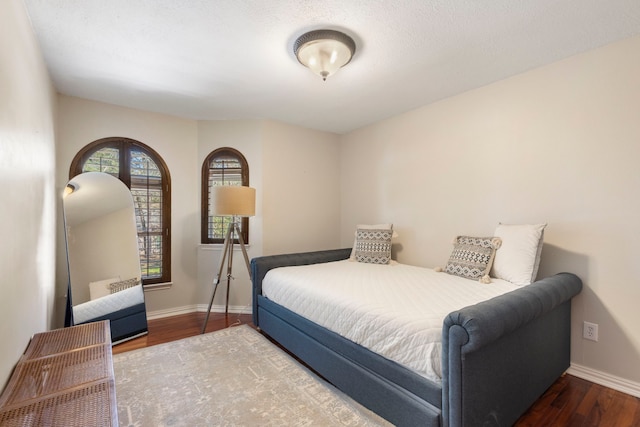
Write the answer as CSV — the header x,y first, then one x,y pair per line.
x,y
174,311
159,314
236,309
604,379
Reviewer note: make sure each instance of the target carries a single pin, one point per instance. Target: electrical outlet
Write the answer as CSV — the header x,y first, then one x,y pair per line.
x,y
590,331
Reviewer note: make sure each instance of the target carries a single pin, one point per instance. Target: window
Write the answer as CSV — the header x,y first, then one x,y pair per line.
x,y
224,166
142,170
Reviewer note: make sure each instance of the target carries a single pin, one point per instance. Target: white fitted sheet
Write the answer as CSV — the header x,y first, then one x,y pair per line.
x,y
395,310
108,304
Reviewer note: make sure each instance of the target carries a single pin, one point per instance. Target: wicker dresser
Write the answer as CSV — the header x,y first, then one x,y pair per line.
x,y
64,378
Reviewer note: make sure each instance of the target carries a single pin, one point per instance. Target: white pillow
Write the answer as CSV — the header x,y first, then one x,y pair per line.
x,y
518,259
368,227
100,288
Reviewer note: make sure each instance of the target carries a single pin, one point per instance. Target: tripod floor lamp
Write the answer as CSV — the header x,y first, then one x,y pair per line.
x,y
236,201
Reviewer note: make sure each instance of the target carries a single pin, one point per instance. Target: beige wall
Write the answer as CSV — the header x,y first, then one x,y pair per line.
x,y
105,247
275,152
559,144
301,180
175,140
27,225
246,137
295,172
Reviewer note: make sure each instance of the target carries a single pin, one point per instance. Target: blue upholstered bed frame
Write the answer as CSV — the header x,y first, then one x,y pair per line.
x,y
498,356
127,323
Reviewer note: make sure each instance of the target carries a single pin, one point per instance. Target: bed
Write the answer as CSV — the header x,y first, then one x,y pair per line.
x,y
125,309
497,356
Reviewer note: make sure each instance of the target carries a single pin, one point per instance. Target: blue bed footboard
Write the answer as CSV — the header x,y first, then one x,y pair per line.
x,y
502,354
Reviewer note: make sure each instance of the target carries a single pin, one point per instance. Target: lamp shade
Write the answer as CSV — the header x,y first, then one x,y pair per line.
x,y
324,51
232,200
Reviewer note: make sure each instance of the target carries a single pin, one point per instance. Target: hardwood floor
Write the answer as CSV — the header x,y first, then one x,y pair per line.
x,y
570,401
182,326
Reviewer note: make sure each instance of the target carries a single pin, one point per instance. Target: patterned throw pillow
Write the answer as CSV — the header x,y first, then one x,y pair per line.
x,y
373,246
100,288
121,286
472,257
386,226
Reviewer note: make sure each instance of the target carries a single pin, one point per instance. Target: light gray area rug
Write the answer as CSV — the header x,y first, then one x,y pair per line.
x,y
232,377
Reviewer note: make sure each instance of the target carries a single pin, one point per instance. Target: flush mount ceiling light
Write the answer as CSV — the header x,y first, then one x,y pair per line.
x,y
324,51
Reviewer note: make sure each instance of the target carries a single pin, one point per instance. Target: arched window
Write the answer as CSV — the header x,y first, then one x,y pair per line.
x,y
224,166
145,173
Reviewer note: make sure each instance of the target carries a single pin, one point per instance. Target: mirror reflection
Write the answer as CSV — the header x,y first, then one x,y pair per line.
x,y
102,255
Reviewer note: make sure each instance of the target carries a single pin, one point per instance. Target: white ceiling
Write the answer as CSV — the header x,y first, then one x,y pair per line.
x,y
232,59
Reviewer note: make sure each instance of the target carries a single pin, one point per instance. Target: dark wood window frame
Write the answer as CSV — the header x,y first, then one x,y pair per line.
x,y
204,227
125,146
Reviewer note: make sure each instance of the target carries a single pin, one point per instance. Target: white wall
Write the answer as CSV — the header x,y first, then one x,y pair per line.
x,y
559,144
27,218
175,140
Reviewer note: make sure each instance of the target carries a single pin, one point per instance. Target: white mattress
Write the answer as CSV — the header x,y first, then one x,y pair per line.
x,y
108,304
396,310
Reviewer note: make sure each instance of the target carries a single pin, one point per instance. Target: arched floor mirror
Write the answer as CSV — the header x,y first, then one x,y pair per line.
x,y
102,255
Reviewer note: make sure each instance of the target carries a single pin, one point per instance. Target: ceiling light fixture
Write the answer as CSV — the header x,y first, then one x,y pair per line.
x,y
324,51
70,188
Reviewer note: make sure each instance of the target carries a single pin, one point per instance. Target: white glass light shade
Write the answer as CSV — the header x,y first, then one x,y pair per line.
x,y
324,51
232,200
